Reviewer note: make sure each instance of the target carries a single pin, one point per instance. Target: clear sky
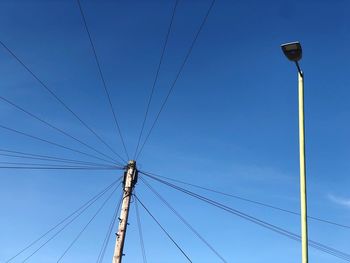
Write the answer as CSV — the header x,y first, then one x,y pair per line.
x,y
230,124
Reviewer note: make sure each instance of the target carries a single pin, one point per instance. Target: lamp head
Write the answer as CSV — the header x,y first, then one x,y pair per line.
x,y
292,51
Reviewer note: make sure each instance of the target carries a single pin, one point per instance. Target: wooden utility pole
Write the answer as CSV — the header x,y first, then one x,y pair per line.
x,y
130,179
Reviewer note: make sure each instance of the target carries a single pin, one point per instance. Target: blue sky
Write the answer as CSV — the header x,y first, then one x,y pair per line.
x,y
230,124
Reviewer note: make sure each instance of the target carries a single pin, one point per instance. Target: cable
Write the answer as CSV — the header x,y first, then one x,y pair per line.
x,y
251,201
56,165
142,243
84,206
109,232
52,143
156,76
57,168
177,76
52,160
316,245
55,128
157,222
102,78
184,221
88,223
58,99
60,230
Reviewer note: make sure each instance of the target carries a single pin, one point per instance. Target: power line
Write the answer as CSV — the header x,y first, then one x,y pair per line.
x,y
35,166
49,157
142,243
55,128
102,78
82,207
51,160
60,230
184,221
52,143
57,98
274,228
177,76
55,165
57,168
156,76
262,223
166,232
251,201
109,232
85,227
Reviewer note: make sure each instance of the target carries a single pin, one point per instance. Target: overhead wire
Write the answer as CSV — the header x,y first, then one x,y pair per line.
x,y
86,226
177,76
162,228
36,166
188,225
109,232
102,78
58,98
57,168
55,165
56,128
274,228
52,143
139,226
81,209
251,201
62,228
324,248
50,157
54,160
156,75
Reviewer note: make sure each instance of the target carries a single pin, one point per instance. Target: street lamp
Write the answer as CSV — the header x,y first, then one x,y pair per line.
x,y
293,52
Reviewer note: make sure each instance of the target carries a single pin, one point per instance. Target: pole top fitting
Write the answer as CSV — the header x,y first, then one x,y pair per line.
x,y
132,163
132,168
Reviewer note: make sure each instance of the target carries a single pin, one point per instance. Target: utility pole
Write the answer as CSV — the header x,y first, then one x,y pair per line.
x,y
130,179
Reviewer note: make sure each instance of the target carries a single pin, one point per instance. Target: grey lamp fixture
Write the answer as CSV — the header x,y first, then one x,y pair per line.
x,y
293,52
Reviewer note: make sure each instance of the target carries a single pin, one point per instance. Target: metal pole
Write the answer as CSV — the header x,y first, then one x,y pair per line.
x,y
303,199
130,178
